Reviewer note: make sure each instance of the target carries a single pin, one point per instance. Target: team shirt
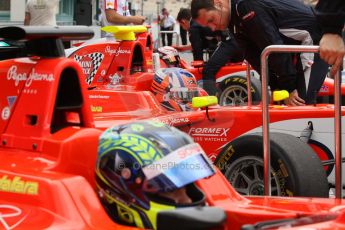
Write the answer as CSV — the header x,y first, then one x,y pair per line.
x,y
120,6
42,12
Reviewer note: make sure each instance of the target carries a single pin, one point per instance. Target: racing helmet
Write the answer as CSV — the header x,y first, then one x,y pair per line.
x,y
174,88
170,56
139,166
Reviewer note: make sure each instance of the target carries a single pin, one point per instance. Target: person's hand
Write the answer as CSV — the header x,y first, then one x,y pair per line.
x,y
294,99
138,20
178,48
332,51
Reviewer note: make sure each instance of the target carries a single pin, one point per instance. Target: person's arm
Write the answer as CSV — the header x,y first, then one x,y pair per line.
x,y
262,31
114,17
196,43
183,48
173,22
27,19
27,15
331,16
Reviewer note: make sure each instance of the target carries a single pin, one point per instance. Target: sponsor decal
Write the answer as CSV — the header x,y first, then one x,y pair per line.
x,y
99,96
17,77
30,91
235,79
11,100
115,79
17,185
96,109
209,132
117,51
223,162
324,89
90,64
5,113
174,120
8,214
87,65
141,38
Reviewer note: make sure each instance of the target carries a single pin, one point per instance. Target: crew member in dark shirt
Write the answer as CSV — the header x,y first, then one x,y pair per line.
x,y
202,38
331,16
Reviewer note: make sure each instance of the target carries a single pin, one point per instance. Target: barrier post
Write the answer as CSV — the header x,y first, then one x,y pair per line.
x,y
265,114
249,83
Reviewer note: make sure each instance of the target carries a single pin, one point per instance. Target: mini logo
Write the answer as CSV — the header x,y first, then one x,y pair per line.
x,y
87,65
90,64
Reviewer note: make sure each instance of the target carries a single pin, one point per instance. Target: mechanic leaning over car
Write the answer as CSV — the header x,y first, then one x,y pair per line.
x,y
258,24
331,15
147,167
222,49
116,12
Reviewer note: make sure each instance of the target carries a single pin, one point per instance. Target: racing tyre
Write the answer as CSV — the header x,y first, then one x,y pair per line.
x,y
295,169
234,91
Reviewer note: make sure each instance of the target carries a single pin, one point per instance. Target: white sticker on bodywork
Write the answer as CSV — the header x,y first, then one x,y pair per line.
x,y
5,113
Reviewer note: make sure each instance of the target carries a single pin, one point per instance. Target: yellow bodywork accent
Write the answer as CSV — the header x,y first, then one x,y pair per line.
x,y
155,208
280,95
124,33
200,102
131,216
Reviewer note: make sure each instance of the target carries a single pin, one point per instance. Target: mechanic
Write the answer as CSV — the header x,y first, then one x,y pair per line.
x,y
220,47
147,167
116,12
200,38
41,13
258,24
331,15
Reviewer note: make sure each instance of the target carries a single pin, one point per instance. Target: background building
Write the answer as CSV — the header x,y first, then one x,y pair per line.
x,y
85,12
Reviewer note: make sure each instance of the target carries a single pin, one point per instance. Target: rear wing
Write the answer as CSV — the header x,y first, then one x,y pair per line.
x,y
65,33
43,41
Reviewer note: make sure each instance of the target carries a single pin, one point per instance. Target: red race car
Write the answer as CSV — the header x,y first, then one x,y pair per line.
x,y
230,135
49,142
231,79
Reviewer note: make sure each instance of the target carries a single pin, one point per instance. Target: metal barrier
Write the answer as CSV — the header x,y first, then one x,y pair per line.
x,y
171,32
249,84
265,114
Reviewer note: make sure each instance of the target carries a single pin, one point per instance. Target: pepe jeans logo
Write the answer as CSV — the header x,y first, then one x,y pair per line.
x,y
8,214
117,51
17,77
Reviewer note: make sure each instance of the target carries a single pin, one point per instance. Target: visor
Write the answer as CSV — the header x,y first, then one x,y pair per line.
x,y
171,60
184,94
3,44
179,168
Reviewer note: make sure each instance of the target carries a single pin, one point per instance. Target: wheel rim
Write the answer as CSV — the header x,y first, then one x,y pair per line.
x,y
234,95
246,176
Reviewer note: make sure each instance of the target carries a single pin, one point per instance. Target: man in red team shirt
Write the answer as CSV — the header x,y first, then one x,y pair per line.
x,y
116,12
